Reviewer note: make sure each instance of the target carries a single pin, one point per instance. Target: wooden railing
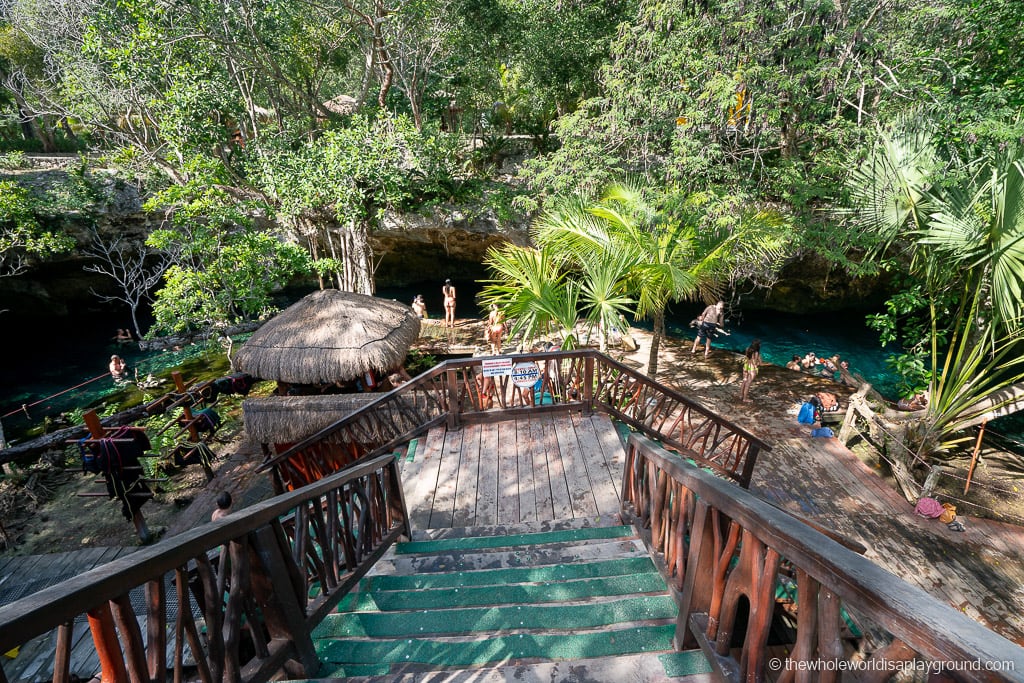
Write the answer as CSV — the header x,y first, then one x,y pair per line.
x,y
458,391
247,590
724,551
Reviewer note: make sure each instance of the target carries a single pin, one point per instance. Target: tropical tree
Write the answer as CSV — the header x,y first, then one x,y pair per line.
x,y
22,236
958,229
534,292
223,269
673,249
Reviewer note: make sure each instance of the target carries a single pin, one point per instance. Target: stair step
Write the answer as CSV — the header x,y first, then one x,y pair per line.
x,y
520,528
497,648
649,668
524,556
534,593
531,539
505,577
490,619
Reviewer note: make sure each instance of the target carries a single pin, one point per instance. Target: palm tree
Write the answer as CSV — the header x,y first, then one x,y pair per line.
x,y
965,242
667,253
531,288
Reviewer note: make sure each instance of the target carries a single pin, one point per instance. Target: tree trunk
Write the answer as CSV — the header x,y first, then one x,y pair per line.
x,y
656,334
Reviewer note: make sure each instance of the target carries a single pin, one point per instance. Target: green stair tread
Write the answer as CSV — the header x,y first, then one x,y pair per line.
x,y
510,575
499,648
478,619
352,670
689,663
563,591
475,542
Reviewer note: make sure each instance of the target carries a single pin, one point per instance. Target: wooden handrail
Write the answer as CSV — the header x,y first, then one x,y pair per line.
x,y
456,391
715,543
288,545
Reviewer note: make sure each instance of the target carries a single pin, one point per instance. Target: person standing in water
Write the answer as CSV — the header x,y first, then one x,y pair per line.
x,y
751,362
707,326
448,290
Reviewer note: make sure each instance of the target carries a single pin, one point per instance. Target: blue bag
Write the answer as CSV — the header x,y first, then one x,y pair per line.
x,y
806,414
822,431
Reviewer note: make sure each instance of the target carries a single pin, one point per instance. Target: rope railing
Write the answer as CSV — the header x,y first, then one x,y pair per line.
x,y
25,406
915,457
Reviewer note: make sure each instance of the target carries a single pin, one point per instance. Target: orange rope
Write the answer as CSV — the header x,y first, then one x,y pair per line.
x,y
24,408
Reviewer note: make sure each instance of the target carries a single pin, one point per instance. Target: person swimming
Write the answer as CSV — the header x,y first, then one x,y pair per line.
x,y
118,368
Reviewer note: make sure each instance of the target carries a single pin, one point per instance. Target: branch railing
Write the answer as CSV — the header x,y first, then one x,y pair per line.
x,y
724,551
245,591
467,390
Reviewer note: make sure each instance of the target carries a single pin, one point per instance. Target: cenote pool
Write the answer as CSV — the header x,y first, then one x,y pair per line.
x,y
73,351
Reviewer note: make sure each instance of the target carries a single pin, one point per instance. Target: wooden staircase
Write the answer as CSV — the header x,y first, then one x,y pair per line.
x,y
566,601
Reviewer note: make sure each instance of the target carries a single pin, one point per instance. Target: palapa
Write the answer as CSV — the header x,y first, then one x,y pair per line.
x,y
330,336
287,419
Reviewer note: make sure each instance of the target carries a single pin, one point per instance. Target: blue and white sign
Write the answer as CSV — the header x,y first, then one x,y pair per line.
x,y
525,375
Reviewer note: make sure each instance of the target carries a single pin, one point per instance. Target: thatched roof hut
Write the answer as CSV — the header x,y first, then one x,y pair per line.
x,y
330,336
287,419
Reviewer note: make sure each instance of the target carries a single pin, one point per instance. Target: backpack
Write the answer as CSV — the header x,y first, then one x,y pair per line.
x,y
822,431
948,513
806,414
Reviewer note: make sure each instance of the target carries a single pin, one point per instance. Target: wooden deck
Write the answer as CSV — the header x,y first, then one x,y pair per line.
x,y
553,467
546,467
24,575
978,571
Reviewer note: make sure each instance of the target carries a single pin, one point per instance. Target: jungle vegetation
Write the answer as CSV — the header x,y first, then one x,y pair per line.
x,y
679,148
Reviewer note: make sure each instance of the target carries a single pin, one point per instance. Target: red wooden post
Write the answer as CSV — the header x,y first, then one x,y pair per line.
x,y
186,410
101,623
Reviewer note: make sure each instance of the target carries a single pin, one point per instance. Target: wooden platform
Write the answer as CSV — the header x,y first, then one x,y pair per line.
x,y
978,571
546,467
24,575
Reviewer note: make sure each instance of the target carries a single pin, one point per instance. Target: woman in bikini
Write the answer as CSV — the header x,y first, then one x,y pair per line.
x,y
751,362
448,290
495,329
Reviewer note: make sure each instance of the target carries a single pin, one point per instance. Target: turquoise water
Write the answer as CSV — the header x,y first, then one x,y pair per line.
x,y
785,335
72,351
71,357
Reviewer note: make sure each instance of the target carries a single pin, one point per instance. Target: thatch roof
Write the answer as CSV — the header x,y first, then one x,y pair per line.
x,y
286,419
330,336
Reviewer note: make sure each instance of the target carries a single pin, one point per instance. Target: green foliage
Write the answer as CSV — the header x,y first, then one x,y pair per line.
x,y
22,237
658,248
530,287
13,160
224,270
417,362
958,226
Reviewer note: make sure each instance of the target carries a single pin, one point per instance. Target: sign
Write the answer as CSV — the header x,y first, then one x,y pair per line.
x,y
525,375
497,367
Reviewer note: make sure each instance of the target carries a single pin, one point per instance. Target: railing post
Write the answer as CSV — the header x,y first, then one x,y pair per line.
x,y
588,385
104,637
453,398
276,597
